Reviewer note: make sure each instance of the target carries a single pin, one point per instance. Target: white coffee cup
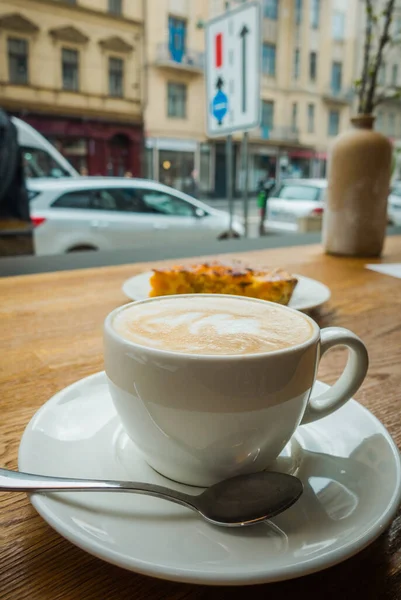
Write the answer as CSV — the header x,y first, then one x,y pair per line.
x,y
198,419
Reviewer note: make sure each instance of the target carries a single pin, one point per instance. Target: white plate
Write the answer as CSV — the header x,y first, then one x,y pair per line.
x,y
348,463
307,295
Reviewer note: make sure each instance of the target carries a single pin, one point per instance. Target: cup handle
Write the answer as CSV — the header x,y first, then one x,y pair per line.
x,y
350,380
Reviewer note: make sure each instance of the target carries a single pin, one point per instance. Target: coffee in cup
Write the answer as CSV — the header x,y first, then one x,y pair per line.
x,y
212,386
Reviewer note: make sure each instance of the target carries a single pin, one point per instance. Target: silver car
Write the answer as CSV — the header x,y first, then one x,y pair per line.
x,y
105,213
294,199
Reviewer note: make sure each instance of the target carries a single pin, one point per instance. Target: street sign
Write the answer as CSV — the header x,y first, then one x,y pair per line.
x,y
233,56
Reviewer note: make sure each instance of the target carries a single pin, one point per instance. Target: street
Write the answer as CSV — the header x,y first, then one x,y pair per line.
x,y
253,212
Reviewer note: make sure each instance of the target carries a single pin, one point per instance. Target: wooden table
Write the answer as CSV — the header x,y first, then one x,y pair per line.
x,y
50,331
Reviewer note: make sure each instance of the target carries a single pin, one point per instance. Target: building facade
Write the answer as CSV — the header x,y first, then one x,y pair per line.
x,y
73,70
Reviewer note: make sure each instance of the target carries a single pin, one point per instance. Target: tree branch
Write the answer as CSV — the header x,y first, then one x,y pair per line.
x,y
366,54
384,39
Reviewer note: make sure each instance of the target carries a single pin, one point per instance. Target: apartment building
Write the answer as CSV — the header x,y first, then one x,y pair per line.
x,y
73,70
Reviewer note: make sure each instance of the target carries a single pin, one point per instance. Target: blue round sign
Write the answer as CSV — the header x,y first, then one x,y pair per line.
x,y
219,106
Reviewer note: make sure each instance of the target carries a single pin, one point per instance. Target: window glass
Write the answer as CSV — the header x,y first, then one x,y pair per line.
x,y
269,59
80,199
176,100
298,192
165,204
17,60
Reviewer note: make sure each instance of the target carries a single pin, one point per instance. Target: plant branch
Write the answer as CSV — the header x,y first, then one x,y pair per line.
x,y
384,39
366,54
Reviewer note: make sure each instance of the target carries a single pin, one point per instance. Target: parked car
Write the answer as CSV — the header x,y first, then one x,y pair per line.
x,y
41,158
293,199
394,204
105,213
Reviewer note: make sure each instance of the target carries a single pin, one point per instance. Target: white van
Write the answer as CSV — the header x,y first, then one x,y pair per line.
x,y
41,158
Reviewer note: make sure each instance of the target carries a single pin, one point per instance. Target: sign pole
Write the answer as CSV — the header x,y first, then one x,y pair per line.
x,y
229,179
245,168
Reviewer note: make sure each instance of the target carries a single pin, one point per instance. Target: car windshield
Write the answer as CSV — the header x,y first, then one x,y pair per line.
x,y
38,163
298,192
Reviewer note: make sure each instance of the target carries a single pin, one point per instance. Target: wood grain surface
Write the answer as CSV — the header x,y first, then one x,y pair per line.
x,y
51,335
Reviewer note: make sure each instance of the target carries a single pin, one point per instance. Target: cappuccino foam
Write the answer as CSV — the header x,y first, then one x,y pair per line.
x,y
209,325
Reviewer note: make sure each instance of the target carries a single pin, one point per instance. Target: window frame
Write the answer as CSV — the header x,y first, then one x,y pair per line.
x,y
313,65
73,52
183,100
269,59
332,112
297,64
311,114
315,9
298,11
117,9
336,76
120,92
271,9
338,18
267,104
13,54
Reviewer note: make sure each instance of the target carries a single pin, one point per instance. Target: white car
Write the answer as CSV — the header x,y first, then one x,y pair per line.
x,y
107,213
293,199
394,204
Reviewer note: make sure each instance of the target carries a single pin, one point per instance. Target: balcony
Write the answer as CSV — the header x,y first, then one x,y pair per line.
x,y
338,96
192,61
276,134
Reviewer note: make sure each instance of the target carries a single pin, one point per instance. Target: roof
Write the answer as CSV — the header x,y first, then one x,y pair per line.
x,y
73,183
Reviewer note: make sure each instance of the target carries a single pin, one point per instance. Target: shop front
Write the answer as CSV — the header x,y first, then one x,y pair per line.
x,y
181,164
93,147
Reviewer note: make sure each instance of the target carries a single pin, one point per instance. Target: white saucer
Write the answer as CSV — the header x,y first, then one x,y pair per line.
x,y
348,463
307,295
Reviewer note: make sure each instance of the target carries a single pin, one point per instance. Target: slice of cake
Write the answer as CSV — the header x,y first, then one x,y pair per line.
x,y
275,285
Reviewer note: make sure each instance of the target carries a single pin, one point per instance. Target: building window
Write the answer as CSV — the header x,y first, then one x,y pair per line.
x,y
338,25
394,75
315,14
70,69
336,76
391,125
294,116
313,66
115,7
177,100
334,122
116,77
311,118
267,120
298,11
177,37
270,9
296,63
381,76
269,59
17,60
379,121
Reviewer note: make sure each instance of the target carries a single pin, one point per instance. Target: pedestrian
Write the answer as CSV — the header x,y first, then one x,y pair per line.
x,y
265,188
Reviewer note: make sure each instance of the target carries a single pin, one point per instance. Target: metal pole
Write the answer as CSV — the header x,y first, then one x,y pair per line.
x,y
245,168
229,179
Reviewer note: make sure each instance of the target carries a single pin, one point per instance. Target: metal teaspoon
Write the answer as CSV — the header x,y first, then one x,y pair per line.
x,y
235,502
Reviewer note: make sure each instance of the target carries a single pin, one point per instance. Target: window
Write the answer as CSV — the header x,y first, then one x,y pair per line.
x,y
269,60
177,35
313,66
177,100
311,118
116,77
315,13
81,199
394,75
296,63
338,25
164,204
17,60
115,7
298,11
270,9
334,122
379,121
381,76
267,117
298,192
104,200
336,76
391,125
294,115
70,69
38,163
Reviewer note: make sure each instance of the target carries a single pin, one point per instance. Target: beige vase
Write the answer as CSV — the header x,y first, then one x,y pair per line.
x,y
359,173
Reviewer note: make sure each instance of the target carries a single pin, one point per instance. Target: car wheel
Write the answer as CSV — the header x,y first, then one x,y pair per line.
x,y
81,248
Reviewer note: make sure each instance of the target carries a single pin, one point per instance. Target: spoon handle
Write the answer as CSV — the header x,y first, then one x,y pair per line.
x,y
16,481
